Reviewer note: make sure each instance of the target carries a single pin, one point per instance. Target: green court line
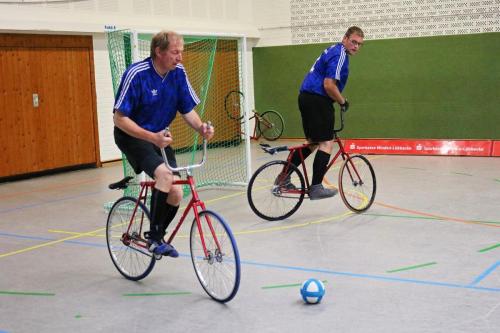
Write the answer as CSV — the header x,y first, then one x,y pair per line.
x,y
286,285
489,248
405,216
25,293
425,218
411,267
498,180
462,173
168,293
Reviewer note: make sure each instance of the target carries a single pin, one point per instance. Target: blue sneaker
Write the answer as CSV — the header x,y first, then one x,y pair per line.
x,y
163,249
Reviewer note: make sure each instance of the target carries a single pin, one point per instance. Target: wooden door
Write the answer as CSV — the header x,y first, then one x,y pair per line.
x,y
60,131
18,120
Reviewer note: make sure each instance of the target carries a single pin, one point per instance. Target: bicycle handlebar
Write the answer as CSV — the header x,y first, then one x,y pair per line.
x,y
341,122
187,167
273,150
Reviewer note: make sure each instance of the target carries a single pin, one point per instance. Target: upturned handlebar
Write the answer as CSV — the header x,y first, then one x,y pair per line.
x,y
341,122
187,167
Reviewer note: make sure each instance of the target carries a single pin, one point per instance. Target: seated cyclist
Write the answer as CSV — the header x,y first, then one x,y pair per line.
x,y
151,93
321,87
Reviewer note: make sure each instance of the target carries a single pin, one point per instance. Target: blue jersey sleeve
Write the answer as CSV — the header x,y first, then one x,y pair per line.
x,y
336,65
187,98
128,93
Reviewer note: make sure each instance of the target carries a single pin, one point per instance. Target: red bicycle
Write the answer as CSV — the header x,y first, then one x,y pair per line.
x,y
277,189
269,124
213,248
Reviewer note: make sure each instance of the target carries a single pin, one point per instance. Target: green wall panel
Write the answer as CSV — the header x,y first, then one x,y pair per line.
x,y
445,87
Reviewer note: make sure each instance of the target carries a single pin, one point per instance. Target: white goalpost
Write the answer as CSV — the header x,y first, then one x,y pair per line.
x,y
216,65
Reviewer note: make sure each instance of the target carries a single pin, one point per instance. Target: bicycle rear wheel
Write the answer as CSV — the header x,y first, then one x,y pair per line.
x,y
219,270
357,183
274,196
233,104
127,247
271,125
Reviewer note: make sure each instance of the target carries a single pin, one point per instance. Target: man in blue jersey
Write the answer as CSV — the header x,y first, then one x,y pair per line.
x,y
322,87
151,93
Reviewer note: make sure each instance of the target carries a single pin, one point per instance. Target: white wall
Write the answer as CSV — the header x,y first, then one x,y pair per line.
x,y
231,17
104,98
289,22
273,20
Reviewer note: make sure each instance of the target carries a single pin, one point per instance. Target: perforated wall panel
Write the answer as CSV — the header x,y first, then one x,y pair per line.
x,y
316,21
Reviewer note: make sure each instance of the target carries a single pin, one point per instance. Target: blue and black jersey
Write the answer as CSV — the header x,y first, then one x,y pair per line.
x,y
152,101
332,63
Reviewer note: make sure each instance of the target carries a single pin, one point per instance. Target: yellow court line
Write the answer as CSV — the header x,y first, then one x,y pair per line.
x,y
222,198
93,233
280,228
75,233
49,243
329,219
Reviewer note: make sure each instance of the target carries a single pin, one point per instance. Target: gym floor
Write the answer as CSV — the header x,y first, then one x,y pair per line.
x,y
424,258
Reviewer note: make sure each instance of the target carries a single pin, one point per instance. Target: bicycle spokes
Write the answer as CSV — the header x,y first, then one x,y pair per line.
x,y
215,256
357,183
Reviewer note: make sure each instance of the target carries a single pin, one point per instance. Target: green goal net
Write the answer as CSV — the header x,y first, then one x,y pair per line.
x,y
214,68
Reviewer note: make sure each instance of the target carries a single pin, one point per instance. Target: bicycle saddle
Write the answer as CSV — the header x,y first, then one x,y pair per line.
x,y
120,185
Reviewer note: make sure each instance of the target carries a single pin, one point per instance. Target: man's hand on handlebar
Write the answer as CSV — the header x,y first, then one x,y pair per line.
x,y
344,107
207,130
162,138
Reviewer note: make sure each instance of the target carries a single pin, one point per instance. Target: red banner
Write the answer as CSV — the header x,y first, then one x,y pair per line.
x,y
421,147
496,148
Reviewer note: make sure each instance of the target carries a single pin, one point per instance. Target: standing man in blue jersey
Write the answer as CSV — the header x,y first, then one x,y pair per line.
x,y
321,88
151,93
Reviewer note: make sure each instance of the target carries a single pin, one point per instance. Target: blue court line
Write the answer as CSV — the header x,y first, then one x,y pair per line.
x,y
472,285
485,274
8,210
373,277
4,234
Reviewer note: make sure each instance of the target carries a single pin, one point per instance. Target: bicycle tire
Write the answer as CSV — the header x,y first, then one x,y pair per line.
x,y
233,104
357,183
270,201
219,273
273,125
131,260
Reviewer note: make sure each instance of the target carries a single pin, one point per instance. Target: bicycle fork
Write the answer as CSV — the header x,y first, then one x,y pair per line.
x,y
195,203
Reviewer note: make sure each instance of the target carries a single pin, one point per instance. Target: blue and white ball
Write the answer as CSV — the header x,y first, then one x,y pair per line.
x,y
312,291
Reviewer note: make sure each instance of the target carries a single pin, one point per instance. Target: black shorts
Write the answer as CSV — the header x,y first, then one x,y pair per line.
x,y
142,155
318,117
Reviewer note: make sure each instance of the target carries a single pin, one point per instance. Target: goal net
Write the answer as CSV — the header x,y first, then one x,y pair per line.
x,y
214,68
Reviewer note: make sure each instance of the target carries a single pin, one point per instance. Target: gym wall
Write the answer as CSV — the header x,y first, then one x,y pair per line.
x,y
428,69
443,87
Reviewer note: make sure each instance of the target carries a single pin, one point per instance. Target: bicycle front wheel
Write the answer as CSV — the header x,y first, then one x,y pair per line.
x,y
218,269
126,246
357,183
271,125
233,104
276,190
